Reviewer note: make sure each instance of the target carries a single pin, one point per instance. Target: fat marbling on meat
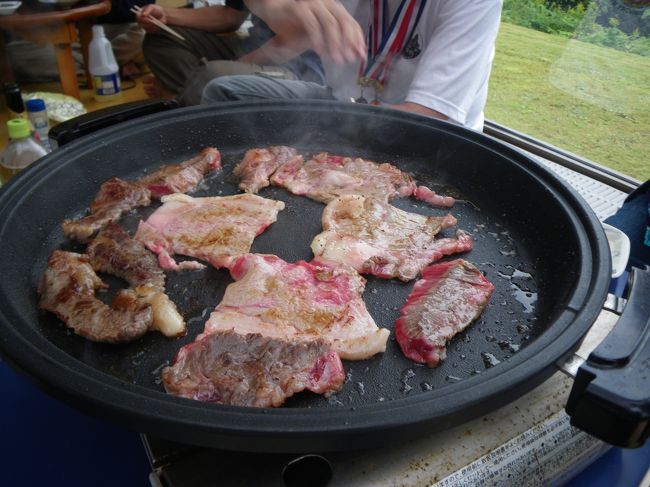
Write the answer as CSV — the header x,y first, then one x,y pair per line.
x,y
113,251
67,289
258,165
297,301
449,297
325,177
226,367
376,238
213,229
183,177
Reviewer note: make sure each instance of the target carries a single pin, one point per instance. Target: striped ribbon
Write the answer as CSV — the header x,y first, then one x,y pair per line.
x,y
385,40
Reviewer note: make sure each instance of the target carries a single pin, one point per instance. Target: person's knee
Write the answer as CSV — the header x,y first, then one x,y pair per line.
x,y
220,89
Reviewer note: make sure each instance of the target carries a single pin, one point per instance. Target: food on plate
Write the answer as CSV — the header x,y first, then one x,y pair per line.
x,y
449,297
258,165
297,301
227,367
115,197
213,229
183,177
67,289
113,251
376,238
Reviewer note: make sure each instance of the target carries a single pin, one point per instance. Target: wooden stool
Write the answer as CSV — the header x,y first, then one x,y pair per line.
x,y
43,24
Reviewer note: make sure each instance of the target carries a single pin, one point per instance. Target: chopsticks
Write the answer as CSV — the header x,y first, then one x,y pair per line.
x,y
136,9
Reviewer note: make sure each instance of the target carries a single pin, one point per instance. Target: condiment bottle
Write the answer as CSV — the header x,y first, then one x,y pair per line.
x,y
14,100
37,114
21,150
103,67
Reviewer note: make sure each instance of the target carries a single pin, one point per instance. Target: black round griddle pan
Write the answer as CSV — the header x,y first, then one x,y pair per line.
x,y
534,239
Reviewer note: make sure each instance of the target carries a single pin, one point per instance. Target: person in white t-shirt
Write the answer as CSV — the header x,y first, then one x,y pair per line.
x,y
441,66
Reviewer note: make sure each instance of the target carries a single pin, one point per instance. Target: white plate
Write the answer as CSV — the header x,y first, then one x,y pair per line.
x,y
619,246
7,8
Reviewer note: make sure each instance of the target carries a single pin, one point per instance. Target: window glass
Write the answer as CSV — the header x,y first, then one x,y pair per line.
x,y
576,74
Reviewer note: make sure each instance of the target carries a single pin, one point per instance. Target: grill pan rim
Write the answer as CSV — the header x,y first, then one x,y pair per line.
x,y
85,383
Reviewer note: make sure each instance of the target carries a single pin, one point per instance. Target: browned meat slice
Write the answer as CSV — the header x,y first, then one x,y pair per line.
x,y
115,197
115,252
299,300
183,177
67,289
444,302
252,370
325,177
213,229
256,167
376,238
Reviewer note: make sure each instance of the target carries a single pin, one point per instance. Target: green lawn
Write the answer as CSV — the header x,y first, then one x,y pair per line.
x,y
589,100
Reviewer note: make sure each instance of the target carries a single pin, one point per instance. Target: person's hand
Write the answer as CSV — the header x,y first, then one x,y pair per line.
x,y
147,13
322,25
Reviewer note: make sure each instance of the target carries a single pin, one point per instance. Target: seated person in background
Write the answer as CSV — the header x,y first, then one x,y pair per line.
x,y
34,63
436,58
212,48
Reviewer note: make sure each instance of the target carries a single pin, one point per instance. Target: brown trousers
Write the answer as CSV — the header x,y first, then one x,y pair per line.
x,y
185,67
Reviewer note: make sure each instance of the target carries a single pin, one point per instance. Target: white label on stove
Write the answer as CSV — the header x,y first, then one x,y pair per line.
x,y
548,454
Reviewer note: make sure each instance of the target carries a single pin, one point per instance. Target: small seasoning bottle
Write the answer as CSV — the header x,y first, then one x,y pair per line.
x,y
21,150
14,100
37,114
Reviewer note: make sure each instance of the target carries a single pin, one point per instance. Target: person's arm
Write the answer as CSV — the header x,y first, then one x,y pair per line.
x,y
417,108
454,67
322,25
214,18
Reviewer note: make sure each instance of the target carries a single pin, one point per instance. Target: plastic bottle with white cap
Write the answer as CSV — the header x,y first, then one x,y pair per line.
x,y
103,67
37,114
21,150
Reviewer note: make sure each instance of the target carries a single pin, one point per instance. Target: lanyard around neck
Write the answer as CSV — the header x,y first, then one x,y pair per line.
x,y
386,39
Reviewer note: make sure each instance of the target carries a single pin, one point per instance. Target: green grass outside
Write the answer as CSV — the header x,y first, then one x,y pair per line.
x,y
589,100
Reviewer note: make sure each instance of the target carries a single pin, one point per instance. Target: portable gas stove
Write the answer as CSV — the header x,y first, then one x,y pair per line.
x,y
528,442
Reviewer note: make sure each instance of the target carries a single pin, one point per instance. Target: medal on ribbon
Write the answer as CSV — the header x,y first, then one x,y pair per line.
x,y
385,40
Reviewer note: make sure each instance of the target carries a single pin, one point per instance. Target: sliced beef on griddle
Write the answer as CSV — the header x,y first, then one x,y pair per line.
x,y
325,177
376,238
302,299
444,302
67,289
115,197
113,251
258,165
214,229
252,370
183,177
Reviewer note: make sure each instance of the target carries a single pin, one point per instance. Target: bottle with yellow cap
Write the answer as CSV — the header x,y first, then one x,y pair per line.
x,y
21,151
